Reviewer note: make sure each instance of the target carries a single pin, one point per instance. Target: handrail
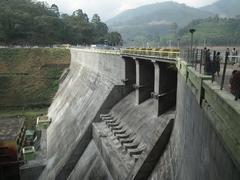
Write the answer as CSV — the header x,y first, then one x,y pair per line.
x,y
161,51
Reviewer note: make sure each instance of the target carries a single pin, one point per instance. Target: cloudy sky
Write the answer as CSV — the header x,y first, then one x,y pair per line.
x,y
109,8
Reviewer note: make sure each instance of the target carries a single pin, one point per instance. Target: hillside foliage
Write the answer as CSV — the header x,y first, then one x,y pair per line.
x,y
154,22
27,22
162,24
214,31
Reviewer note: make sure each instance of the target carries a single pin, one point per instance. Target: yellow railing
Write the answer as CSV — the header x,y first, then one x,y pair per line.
x,y
156,52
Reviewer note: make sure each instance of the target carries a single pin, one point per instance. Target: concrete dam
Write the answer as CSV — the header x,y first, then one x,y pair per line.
x,y
128,117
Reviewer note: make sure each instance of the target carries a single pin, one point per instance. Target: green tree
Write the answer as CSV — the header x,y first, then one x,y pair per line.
x,y
79,13
100,30
96,19
114,39
33,23
55,9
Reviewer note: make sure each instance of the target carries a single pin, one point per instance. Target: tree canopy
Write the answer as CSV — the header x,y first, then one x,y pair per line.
x,y
26,22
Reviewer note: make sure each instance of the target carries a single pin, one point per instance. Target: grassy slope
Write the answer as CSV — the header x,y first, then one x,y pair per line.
x,y
29,77
29,114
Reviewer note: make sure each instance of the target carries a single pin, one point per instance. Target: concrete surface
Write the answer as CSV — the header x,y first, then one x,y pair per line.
x,y
84,94
90,166
123,160
195,150
131,142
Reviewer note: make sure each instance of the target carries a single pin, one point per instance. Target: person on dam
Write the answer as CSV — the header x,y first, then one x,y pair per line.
x,y
208,63
235,84
217,61
234,54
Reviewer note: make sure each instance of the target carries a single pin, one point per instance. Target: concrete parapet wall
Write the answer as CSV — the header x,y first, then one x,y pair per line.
x,y
111,65
224,114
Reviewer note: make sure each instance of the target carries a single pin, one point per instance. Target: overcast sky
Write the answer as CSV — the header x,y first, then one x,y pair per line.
x,y
109,8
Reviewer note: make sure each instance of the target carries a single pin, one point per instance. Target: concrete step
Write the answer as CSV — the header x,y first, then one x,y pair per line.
x,y
110,120
105,115
119,127
132,145
117,123
137,151
129,139
126,135
122,131
107,118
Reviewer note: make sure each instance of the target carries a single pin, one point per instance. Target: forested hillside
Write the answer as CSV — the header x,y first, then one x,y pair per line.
x,y
153,22
224,8
159,23
27,22
215,31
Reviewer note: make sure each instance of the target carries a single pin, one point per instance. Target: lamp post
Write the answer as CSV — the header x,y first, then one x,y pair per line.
x,y
192,31
178,40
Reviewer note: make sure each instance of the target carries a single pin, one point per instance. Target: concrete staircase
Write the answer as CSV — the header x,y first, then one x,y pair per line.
x,y
121,134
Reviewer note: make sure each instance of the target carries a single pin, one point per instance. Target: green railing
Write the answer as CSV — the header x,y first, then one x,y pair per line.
x,y
149,52
155,52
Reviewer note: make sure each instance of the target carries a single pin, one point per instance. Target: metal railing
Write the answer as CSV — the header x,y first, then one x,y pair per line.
x,y
197,58
203,61
153,52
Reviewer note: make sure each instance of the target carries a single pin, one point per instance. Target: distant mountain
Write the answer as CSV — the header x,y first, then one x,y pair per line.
x,y
154,20
225,8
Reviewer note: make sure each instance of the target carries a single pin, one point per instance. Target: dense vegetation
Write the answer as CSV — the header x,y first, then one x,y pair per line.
x,y
26,22
214,30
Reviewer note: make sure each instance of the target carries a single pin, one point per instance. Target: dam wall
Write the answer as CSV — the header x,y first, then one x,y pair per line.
x,y
117,118
205,140
92,86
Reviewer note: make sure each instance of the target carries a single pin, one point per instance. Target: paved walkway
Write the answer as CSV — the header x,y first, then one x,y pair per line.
x,y
229,70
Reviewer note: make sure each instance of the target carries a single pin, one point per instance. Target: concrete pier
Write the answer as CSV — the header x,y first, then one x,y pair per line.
x,y
144,80
164,87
